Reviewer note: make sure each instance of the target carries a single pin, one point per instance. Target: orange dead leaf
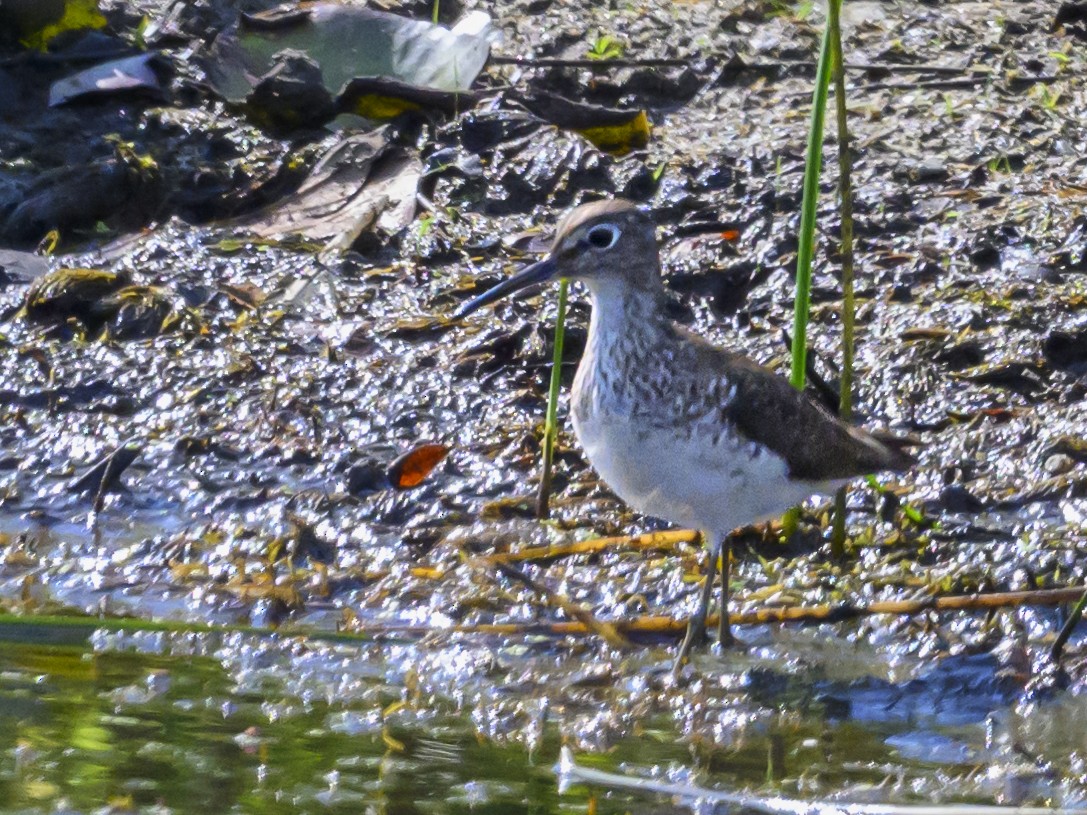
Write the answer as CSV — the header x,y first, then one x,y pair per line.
x,y
410,469
730,235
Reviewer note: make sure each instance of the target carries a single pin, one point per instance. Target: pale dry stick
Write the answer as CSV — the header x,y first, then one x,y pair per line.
x,y
664,540
667,626
569,772
606,631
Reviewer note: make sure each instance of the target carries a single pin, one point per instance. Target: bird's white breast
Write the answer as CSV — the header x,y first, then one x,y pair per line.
x,y
653,426
682,477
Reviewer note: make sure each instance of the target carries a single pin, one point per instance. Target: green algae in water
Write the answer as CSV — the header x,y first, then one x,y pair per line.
x,y
86,730
203,723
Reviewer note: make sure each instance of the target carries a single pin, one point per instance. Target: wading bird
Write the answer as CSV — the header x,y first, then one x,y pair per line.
x,y
677,427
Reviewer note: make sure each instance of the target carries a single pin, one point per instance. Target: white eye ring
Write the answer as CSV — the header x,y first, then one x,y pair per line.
x,y
602,236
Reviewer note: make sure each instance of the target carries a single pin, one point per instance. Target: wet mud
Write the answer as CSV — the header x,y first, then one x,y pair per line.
x,y
201,426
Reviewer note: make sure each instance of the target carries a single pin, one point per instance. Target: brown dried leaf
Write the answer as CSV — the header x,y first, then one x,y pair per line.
x,y
245,295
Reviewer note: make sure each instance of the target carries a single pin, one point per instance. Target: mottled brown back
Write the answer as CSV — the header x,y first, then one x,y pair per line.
x,y
768,410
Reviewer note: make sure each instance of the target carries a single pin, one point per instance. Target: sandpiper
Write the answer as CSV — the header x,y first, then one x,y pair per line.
x,y
677,427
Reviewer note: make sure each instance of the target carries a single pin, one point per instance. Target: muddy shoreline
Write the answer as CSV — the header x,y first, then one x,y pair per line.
x,y
264,386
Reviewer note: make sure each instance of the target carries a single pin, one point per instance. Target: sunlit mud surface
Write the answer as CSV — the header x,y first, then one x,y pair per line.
x,y
263,420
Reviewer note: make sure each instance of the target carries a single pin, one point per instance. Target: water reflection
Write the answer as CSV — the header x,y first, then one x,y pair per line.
x,y
208,724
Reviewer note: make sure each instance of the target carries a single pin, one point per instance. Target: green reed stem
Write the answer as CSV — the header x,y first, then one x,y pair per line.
x,y
551,426
845,205
813,165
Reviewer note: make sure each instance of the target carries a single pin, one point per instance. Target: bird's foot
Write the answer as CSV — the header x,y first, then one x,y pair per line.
x,y
729,644
694,638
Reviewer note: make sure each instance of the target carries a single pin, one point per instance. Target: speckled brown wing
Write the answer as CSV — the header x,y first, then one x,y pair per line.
x,y
815,445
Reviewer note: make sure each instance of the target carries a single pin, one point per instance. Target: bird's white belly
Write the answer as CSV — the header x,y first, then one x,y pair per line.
x,y
680,477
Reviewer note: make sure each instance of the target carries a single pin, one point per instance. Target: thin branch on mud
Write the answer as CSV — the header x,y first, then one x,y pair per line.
x,y
584,622
606,631
668,626
963,82
970,81
554,62
764,65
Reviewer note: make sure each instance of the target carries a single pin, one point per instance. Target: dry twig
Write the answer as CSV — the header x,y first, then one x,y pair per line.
x,y
665,540
605,631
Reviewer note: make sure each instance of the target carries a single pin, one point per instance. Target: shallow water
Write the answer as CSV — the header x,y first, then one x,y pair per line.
x,y
184,723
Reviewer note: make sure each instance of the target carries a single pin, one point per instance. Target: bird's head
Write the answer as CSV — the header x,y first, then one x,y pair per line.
x,y
606,245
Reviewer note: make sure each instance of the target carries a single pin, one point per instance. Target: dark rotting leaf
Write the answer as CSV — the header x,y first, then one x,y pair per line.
x,y
104,476
68,293
482,131
925,171
190,446
361,341
279,18
617,130
291,94
244,295
663,86
1020,376
304,542
384,98
1066,349
1072,16
957,498
368,475
968,353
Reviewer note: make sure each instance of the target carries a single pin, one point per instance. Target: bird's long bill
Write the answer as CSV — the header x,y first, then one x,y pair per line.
x,y
539,272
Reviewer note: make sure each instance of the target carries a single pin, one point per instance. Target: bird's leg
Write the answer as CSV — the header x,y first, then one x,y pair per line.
x,y
696,627
724,627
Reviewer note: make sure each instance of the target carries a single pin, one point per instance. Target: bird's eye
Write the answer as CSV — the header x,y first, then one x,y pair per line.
x,y
603,236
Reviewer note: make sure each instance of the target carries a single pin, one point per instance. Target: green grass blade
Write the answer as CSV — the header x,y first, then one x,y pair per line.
x,y
551,427
845,204
813,165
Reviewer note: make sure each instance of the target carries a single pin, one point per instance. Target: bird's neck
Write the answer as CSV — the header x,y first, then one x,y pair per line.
x,y
616,303
622,312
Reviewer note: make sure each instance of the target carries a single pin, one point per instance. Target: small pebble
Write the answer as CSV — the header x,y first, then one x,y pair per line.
x,y
1059,464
